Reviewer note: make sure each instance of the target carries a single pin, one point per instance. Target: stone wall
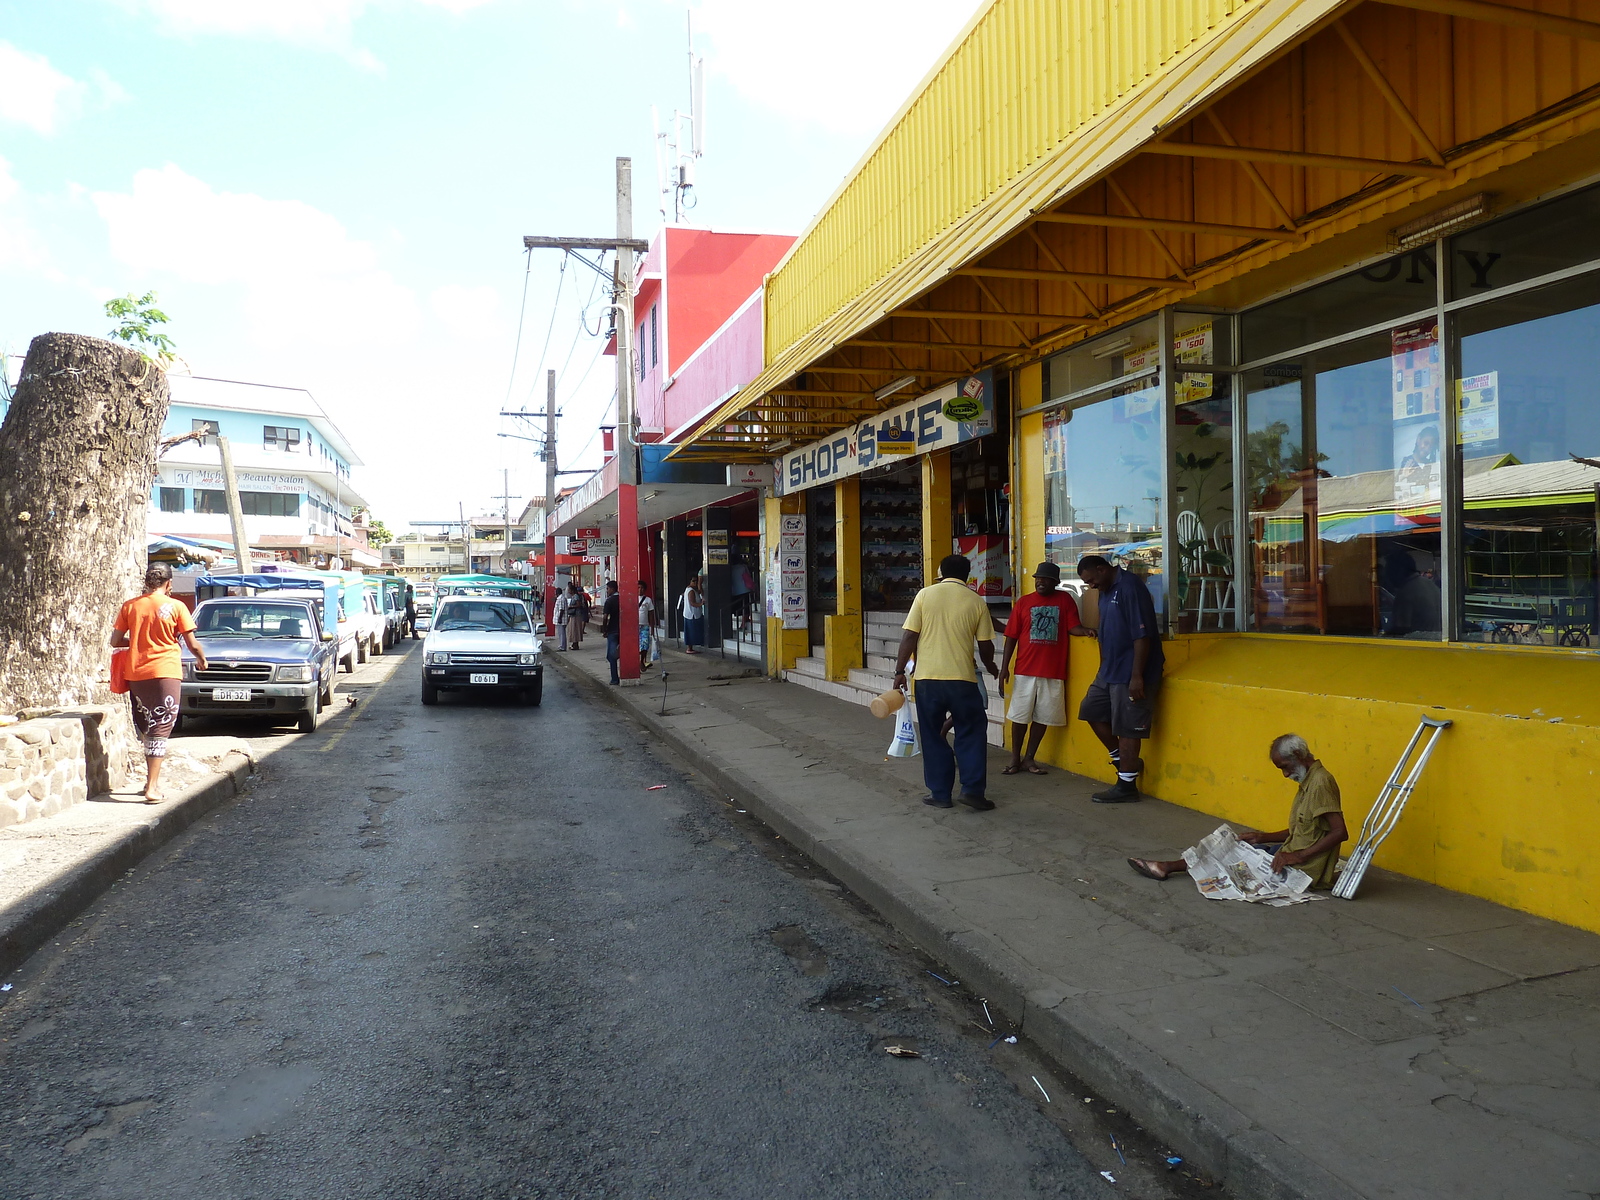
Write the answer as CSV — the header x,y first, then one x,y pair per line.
x,y
51,761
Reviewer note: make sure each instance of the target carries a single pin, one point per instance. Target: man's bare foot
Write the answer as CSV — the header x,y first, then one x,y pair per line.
x,y
1150,868
153,798
1014,767
1033,768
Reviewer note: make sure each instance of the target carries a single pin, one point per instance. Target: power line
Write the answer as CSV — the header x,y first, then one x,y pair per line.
x,y
522,311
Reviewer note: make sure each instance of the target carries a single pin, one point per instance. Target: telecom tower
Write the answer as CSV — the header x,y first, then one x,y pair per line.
x,y
675,156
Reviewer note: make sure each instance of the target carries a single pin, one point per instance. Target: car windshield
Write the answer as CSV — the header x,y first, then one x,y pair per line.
x,y
499,617
252,619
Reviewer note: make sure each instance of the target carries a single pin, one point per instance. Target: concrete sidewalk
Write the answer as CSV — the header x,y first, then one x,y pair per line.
x,y
1412,1043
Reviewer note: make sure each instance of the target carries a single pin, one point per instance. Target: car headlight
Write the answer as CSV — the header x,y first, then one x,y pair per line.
x,y
528,660
439,658
296,674
188,671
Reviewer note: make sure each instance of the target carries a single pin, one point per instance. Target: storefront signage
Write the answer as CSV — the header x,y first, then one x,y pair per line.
x,y
249,481
716,537
589,532
750,475
789,568
914,427
577,546
716,556
602,545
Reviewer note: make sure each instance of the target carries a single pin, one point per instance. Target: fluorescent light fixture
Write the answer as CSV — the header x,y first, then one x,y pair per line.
x,y
889,389
1441,222
1108,349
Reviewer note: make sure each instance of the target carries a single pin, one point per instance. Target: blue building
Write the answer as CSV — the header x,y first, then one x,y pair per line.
x,y
292,464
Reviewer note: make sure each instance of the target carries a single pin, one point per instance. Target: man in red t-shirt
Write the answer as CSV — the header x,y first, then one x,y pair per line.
x,y
1037,634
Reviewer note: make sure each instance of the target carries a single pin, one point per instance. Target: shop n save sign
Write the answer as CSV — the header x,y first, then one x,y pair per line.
x,y
955,413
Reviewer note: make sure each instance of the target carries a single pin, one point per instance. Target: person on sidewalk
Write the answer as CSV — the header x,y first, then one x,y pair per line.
x,y
1037,635
611,629
1316,821
411,613
692,604
647,627
945,620
563,603
578,606
149,627
1119,702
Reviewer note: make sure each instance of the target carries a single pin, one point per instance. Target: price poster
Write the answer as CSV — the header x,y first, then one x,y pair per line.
x,y
1414,360
1479,413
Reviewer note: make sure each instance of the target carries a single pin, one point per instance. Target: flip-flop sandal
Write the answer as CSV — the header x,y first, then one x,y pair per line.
x,y
1147,869
1036,771
1011,771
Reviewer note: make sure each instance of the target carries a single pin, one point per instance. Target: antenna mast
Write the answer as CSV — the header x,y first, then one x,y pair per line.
x,y
676,153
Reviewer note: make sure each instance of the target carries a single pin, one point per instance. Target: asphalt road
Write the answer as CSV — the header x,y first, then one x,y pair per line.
x,y
465,952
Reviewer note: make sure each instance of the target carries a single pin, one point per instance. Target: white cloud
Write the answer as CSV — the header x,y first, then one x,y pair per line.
x,y
305,279
317,22
33,93
467,312
20,246
799,63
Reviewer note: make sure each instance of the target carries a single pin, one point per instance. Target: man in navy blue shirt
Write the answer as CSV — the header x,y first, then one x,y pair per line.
x,y
1118,704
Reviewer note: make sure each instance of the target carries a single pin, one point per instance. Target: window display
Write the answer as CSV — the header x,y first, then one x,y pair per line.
x,y
891,538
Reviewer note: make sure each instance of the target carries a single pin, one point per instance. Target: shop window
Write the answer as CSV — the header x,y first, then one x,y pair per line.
x,y
1126,353
1203,564
822,539
891,538
172,499
212,502
1344,488
1529,450
1386,291
1103,482
655,348
1525,245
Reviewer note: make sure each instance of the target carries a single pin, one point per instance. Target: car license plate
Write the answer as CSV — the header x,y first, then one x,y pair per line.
x,y
483,679
242,694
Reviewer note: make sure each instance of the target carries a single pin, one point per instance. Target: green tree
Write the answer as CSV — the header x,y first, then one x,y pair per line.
x,y
137,318
378,533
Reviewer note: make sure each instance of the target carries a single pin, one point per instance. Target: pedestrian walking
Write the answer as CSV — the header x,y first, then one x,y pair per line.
x,y
1037,635
563,603
944,622
1120,701
742,587
411,613
611,629
692,604
647,628
149,627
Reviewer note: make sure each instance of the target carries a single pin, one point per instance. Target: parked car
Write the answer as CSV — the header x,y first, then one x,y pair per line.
x,y
391,593
267,655
482,643
424,601
372,630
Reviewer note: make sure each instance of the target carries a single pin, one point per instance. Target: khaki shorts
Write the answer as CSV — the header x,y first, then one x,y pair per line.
x,y
1037,701
1110,704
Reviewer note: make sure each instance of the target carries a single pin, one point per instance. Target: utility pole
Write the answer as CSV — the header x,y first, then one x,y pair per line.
x,y
549,504
627,460
466,539
241,545
505,499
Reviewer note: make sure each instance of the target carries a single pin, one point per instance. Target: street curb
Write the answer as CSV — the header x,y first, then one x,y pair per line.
x,y
31,922
1248,1160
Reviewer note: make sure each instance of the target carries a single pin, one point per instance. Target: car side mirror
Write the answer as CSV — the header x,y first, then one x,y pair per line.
x,y
327,635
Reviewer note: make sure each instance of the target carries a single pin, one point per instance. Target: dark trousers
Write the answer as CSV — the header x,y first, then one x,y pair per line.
x,y
958,698
613,653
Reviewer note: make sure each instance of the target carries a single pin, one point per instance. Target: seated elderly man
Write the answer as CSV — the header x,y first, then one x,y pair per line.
x,y
1316,822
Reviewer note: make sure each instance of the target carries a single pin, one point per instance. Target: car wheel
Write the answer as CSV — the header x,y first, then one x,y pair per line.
x,y
325,696
430,694
376,646
348,662
532,696
307,722
361,649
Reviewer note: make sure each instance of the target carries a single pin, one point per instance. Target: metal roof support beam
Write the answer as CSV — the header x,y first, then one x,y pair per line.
x,y
957,347
1505,14
993,318
1137,281
1418,134
894,372
1297,158
1249,232
1115,189
1250,169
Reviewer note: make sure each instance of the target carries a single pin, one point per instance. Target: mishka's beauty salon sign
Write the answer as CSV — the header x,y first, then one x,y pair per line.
x,y
956,413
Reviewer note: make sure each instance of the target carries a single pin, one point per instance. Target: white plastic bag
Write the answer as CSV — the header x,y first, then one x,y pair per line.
x,y
905,743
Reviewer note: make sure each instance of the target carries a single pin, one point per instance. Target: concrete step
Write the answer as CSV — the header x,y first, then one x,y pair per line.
x,y
881,662
815,666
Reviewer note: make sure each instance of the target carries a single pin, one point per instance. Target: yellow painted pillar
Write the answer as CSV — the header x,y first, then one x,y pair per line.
x,y
784,646
843,630
937,534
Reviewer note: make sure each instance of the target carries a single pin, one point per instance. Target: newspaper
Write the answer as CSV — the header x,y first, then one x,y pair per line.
x,y
1224,868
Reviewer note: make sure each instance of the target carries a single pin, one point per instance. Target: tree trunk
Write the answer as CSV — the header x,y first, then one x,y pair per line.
x,y
77,458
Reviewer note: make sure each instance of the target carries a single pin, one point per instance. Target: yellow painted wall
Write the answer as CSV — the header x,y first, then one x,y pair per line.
x,y
842,632
1509,808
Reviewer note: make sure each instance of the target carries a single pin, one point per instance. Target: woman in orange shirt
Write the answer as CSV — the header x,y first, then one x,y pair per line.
x,y
149,626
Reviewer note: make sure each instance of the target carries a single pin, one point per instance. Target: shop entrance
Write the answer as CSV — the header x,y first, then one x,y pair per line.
x,y
891,537
980,518
822,542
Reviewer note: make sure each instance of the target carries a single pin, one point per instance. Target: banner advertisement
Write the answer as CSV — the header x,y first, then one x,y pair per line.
x,y
791,566
249,481
1418,383
1479,410
958,412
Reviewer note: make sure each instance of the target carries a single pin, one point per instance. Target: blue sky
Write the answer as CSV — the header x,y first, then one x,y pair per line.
x,y
332,193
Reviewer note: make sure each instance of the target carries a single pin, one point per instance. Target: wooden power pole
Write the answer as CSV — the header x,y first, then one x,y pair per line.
x,y
230,483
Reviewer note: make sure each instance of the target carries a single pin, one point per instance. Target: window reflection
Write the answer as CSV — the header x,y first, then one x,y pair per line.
x,y
1344,488
1530,465
1103,484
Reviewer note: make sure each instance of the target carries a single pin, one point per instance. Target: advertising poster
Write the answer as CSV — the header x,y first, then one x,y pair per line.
x,y
1479,413
1416,456
716,556
1414,359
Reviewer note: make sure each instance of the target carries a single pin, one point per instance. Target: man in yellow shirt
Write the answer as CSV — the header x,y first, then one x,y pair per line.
x,y
944,622
1316,821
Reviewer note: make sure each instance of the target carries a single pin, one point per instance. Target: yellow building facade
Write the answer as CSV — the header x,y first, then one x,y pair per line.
x,y
1291,308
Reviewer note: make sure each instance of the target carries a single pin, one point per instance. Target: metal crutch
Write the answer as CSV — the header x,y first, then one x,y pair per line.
x,y
1391,802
